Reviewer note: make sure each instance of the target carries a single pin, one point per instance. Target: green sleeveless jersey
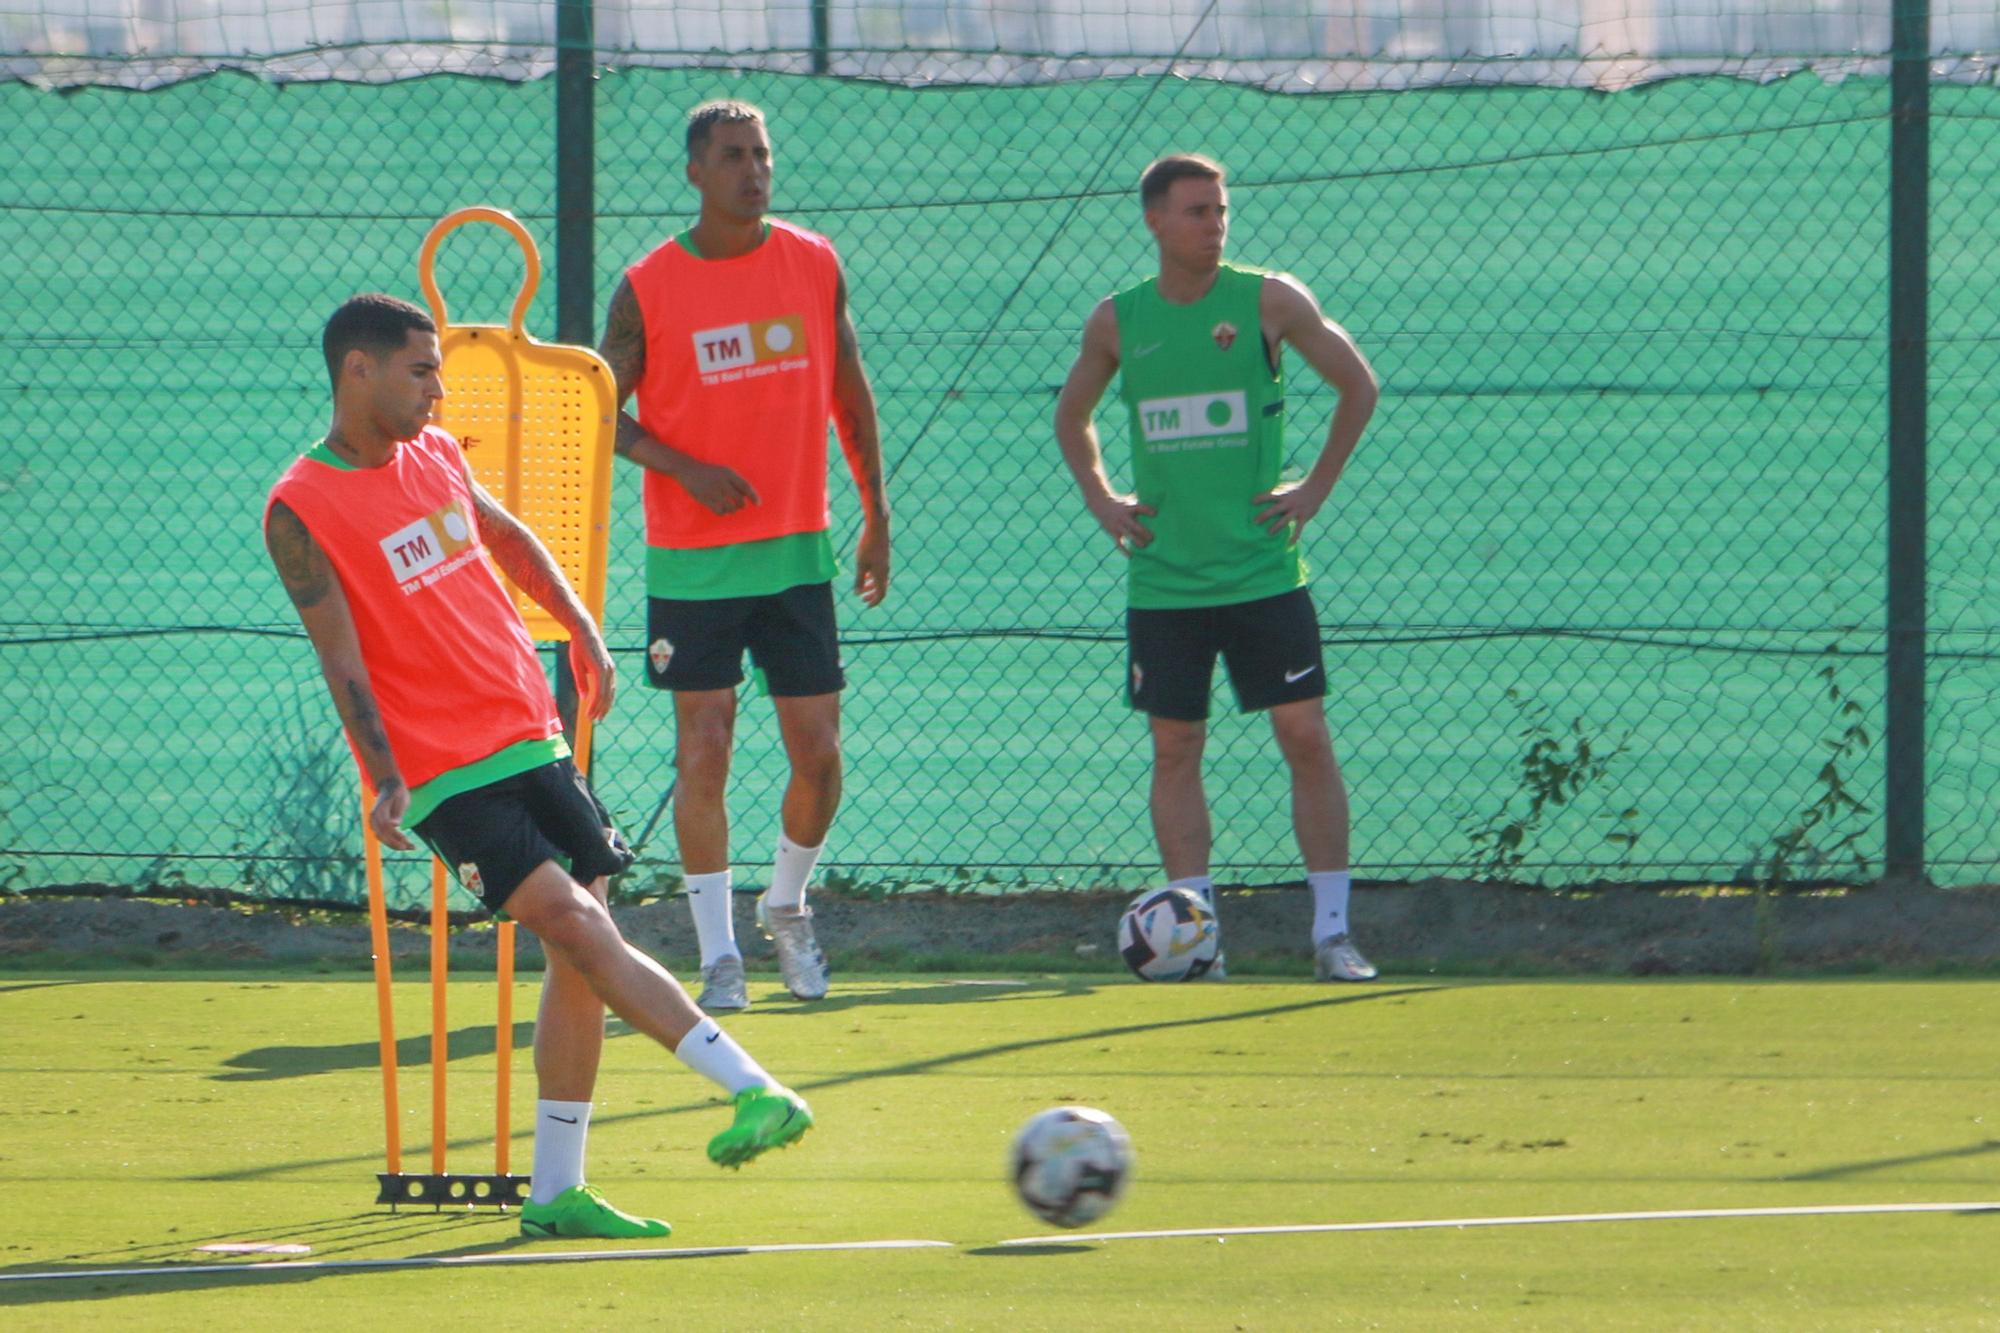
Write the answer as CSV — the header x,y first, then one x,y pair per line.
x,y
1208,434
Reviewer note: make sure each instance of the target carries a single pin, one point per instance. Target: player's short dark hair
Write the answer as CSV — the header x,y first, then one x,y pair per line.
x,y
373,322
723,111
1158,178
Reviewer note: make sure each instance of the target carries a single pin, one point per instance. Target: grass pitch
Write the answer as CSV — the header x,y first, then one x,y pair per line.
x,y
143,1117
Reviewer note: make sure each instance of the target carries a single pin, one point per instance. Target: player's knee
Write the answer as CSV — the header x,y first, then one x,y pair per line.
x,y
1177,748
1305,744
701,753
573,925
817,761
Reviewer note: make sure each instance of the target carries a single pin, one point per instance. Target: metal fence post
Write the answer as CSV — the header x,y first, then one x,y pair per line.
x,y
1909,281
576,220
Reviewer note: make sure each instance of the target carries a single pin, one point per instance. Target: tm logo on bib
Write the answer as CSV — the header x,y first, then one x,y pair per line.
x,y
1198,416
421,547
736,346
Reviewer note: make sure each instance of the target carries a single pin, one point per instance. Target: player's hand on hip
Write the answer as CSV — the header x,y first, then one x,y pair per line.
x,y
1119,515
718,489
386,817
596,674
871,564
1288,506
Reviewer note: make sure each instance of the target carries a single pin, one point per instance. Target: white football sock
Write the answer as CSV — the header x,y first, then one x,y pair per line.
x,y
560,1131
790,870
1202,886
714,1054
1329,903
714,916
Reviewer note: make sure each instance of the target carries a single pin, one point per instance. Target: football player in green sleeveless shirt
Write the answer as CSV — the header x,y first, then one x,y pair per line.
x,y
1211,534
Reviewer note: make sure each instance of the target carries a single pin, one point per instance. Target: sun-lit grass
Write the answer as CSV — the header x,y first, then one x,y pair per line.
x,y
141,1118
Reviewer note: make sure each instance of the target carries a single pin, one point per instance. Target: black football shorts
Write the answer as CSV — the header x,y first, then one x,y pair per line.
x,y
698,644
1270,647
494,837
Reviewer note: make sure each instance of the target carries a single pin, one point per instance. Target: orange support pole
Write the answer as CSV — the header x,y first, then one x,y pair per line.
x,y
503,1048
440,1034
538,422
581,740
378,938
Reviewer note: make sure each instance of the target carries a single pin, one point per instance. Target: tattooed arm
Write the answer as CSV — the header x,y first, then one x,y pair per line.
x,y
322,606
719,489
860,439
522,558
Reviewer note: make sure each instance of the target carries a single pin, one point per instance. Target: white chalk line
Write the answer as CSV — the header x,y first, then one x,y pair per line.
x,y
310,1266
1547,1219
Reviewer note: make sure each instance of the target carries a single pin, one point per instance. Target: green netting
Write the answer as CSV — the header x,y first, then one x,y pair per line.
x,y
1626,483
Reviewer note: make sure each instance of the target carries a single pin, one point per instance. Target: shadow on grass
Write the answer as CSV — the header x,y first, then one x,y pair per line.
x,y
912,1067
269,1062
332,1235
864,995
38,985
414,1052
1849,1169
177,1266
1030,1251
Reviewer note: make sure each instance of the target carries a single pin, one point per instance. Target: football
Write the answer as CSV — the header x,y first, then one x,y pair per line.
x,y
1070,1164
1168,935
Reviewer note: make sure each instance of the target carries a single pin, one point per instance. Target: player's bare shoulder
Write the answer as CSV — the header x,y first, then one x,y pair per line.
x,y
624,344
1100,330
1096,365
1291,315
1285,303
301,565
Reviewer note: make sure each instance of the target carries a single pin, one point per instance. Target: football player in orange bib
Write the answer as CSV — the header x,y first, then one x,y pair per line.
x,y
735,340
380,535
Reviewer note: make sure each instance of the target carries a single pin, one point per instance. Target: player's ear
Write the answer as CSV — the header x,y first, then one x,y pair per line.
x,y
356,364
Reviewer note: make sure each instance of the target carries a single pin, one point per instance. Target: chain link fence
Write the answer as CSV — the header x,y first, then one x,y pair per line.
x,y
1602,588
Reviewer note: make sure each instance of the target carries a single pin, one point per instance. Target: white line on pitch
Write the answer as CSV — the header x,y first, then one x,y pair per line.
x,y
464,1260
1438,1224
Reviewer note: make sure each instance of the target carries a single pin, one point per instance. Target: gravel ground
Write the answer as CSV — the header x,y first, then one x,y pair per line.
x,y
1430,926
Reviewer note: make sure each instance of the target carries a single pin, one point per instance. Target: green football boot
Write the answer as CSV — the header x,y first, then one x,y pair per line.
x,y
580,1211
766,1118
